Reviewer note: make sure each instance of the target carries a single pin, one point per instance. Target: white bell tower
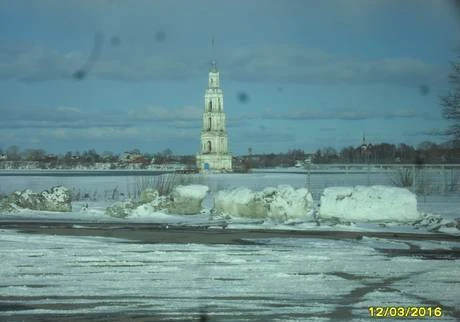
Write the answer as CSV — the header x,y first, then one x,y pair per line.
x,y
214,155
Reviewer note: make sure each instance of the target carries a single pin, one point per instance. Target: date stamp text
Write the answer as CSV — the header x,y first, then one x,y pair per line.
x,y
404,311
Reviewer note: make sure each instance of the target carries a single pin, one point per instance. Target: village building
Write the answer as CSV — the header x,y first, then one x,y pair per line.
x,y
214,155
129,157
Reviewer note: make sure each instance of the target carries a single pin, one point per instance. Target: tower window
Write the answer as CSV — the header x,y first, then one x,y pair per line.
x,y
209,146
210,124
210,106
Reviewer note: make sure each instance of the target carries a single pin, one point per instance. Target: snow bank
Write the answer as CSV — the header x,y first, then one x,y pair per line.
x,y
56,199
369,204
242,202
281,203
121,209
186,200
148,195
195,191
437,223
131,208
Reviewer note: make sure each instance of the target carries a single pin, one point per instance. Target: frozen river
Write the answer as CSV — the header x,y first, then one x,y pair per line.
x,y
56,277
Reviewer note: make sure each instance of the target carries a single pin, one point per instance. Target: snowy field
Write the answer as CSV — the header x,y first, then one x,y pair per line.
x,y
54,277
280,279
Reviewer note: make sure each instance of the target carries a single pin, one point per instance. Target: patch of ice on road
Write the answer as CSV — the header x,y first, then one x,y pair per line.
x,y
283,276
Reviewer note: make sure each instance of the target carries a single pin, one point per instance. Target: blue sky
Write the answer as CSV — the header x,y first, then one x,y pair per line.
x,y
315,73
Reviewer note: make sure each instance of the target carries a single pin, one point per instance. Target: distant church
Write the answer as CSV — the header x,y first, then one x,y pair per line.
x,y
214,154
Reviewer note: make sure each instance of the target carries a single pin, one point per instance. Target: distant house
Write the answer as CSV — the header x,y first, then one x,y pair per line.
x,y
140,159
50,158
133,157
128,157
107,158
3,157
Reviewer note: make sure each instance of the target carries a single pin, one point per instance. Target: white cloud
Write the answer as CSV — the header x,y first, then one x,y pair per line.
x,y
430,132
93,134
68,109
154,113
35,63
303,65
21,117
288,64
337,114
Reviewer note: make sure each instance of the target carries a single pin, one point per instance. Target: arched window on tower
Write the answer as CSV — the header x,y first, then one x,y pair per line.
x,y
209,124
219,107
209,146
210,106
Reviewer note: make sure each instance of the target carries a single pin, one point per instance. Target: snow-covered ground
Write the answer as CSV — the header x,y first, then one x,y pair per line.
x,y
278,279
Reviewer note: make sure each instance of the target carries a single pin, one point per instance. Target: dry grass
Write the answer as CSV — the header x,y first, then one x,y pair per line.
x,y
164,183
402,177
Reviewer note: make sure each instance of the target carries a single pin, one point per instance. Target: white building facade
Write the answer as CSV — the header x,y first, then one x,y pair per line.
x,y
214,155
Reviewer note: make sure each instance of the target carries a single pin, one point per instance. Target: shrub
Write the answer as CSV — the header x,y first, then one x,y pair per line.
x,y
403,177
164,183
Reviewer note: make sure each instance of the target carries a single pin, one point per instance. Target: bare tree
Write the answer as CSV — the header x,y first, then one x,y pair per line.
x,y
13,153
451,103
34,154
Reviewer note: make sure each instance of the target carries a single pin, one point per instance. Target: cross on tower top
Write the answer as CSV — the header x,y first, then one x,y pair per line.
x,y
213,61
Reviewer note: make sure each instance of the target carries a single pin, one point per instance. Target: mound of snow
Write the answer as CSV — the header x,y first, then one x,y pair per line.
x,y
286,202
437,223
56,199
121,209
148,195
196,191
240,202
186,200
131,208
281,203
369,204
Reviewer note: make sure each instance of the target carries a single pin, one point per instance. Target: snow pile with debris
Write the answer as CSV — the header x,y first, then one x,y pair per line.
x,y
436,223
148,195
183,200
369,204
56,199
281,203
121,209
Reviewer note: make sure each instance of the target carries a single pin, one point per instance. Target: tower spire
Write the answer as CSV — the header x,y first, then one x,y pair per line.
x,y
212,46
213,57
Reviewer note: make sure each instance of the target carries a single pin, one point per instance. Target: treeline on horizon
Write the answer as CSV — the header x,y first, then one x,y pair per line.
x,y
383,153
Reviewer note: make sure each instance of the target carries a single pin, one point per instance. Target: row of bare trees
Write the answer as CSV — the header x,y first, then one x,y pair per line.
x,y
87,157
426,152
